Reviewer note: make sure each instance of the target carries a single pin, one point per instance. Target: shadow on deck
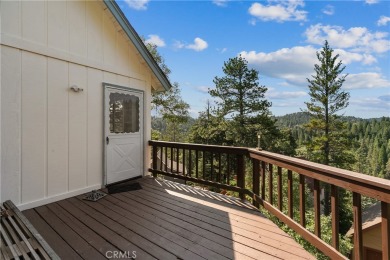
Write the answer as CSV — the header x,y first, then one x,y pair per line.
x,y
163,220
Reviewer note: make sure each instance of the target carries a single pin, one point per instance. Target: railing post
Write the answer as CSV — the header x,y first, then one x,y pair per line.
x,y
241,174
335,216
357,226
154,159
256,180
385,230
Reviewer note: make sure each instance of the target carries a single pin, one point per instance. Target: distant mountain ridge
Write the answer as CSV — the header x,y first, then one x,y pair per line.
x,y
300,118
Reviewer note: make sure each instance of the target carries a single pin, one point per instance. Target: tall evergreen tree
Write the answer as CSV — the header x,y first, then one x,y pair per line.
x,y
330,144
168,104
241,98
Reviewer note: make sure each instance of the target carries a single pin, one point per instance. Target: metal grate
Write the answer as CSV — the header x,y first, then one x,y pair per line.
x,y
94,195
19,239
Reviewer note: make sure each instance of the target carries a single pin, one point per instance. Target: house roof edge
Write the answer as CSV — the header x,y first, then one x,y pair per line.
x,y
138,43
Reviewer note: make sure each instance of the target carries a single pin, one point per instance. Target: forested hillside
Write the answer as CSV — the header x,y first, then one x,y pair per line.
x,y
370,139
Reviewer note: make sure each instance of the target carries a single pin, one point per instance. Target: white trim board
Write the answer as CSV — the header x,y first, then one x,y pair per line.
x,y
55,198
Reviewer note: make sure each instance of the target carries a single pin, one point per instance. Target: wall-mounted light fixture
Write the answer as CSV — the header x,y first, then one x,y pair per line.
x,y
75,88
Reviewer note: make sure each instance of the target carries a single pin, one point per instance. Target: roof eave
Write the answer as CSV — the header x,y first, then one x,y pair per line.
x,y
138,43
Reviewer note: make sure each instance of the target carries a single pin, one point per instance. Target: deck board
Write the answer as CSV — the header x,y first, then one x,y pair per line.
x,y
163,220
56,241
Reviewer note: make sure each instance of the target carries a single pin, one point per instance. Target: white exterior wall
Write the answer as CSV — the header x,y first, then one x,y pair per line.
x,y
51,137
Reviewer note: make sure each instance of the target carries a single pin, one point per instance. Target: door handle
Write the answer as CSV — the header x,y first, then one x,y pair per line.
x,y
107,140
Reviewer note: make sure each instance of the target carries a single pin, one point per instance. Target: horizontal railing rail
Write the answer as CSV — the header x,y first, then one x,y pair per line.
x,y
216,165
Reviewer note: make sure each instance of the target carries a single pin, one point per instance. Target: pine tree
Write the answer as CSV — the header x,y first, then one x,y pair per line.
x,y
242,99
330,143
169,104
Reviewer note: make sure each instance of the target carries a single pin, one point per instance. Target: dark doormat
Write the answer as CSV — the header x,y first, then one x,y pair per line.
x,y
122,187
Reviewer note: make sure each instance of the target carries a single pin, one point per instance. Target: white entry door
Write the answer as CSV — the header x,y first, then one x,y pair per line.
x,y
123,133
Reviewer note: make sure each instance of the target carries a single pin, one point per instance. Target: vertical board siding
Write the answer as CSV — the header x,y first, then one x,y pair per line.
x,y
109,42
94,93
34,126
94,22
57,25
77,28
77,128
10,20
34,21
11,115
58,134
52,137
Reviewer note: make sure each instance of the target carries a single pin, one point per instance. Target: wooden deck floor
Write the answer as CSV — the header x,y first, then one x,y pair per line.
x,y
163,220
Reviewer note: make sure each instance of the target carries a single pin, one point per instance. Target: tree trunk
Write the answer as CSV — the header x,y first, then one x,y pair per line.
x,y
326,159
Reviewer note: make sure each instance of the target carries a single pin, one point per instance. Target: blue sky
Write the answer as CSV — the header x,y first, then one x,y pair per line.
x,y
277,38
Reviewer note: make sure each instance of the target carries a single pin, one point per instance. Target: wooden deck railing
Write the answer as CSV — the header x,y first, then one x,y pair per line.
x,y
215,165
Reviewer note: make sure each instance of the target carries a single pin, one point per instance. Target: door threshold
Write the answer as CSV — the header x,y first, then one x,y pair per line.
x,y
123,181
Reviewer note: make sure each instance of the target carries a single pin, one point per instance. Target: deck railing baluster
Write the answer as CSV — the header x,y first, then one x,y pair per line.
x,y
177,160
154,159
385,212
280,186
241,175
204,165
212,167
270,184
196,164
256,180
317,208
161,158
166,158
189,162
357,225
172,156
228,168
290,194
219,167
184,162
302,200
263,180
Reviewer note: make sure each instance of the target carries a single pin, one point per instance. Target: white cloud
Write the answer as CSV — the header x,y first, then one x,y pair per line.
x,y
178,45
372,104
349,57
198,45
385,98
223,50
155,40
279,10
284,94
383,20
221,3
370,2
203,89
137,4
367,80
328,10
295,64
355,38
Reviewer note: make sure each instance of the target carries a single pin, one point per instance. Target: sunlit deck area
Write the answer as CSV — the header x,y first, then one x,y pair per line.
x,y
163,220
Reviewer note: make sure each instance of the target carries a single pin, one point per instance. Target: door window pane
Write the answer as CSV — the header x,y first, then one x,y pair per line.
x,y
124,113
